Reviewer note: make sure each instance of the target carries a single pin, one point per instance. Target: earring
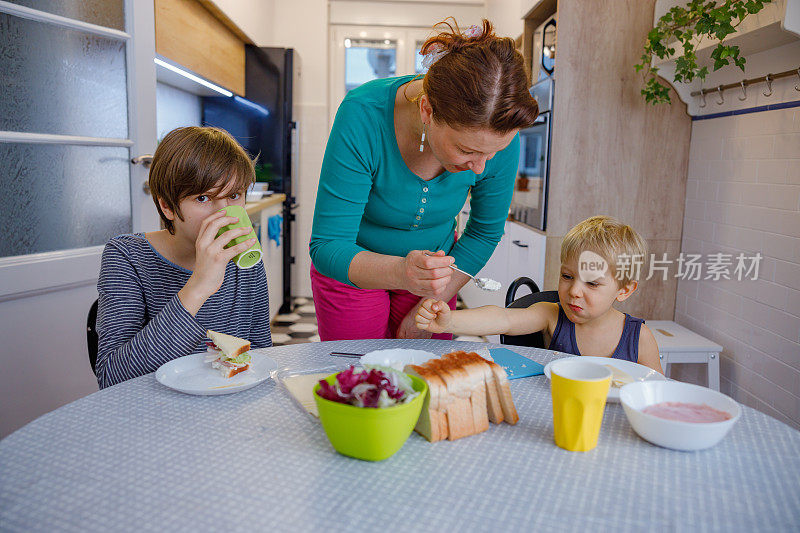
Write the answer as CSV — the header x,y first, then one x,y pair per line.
x,y
422,140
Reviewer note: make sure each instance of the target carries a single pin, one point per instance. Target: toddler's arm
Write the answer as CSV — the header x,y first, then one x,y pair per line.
x,y
648,350
436,317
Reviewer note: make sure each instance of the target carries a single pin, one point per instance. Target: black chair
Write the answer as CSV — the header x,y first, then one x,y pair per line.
x,y
91,335
535,340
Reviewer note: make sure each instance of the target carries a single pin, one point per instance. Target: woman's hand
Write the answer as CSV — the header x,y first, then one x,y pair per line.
x,y
426,273
433,316
408,329
211,257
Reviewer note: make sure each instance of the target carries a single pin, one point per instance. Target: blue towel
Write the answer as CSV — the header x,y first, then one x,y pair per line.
x,y
274,227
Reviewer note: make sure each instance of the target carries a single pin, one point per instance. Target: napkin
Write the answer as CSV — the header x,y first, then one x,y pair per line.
x,y
301,387
516,365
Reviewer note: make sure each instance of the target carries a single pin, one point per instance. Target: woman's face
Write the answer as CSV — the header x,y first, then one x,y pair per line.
x,y
462,149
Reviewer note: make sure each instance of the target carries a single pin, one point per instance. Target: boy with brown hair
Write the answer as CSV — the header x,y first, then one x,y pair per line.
x,y
584,321
159,292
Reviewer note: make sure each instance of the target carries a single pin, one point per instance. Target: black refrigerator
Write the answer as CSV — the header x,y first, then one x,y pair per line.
x,y
262,123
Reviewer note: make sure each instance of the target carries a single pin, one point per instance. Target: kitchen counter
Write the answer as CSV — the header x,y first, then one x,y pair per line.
x,y
254,207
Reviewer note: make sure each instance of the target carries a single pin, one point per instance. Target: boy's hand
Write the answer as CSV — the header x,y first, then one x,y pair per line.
x,y
211,257
433,316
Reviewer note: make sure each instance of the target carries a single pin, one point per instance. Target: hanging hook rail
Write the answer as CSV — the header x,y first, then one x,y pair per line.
x,y
703,97
769,85
772,77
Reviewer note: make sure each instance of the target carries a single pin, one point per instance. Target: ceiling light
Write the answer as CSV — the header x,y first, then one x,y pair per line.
x,y
192,77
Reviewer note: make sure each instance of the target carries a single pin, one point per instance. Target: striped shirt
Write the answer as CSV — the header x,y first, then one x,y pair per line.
x,y
141,322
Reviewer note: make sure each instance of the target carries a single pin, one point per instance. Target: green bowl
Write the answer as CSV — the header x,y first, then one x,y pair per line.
x,y
371,434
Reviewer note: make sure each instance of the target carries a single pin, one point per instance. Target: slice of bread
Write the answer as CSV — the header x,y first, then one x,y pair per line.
x,y
510,415
493,407
477,387
229,345
459,408
429,424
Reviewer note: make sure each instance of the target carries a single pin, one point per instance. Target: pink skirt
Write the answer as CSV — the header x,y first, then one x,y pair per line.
x,y
345,312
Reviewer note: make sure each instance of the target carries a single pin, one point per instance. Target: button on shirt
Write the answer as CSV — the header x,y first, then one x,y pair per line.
x,y
368,199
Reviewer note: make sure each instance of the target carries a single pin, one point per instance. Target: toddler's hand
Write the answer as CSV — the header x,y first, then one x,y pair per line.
x,y
433,316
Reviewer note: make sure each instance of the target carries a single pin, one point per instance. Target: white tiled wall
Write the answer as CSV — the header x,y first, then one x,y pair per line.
x,y
743,195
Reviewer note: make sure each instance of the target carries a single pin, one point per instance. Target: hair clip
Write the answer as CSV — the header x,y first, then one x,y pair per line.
x,y
436,51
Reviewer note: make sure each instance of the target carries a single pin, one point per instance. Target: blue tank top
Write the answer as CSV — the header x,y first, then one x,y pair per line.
x,y
628,348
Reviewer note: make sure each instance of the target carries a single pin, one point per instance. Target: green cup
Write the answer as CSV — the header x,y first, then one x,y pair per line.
x,y
248,258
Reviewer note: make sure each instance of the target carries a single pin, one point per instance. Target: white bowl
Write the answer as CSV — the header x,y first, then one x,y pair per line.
x,y
397,358
685,436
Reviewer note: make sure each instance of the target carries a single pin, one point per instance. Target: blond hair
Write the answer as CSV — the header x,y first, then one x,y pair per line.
x,y
194,160
609,238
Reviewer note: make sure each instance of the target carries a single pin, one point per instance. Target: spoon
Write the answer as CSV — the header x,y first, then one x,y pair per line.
x,y
486,284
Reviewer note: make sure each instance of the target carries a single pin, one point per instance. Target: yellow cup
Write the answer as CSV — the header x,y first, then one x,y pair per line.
x,y
579,391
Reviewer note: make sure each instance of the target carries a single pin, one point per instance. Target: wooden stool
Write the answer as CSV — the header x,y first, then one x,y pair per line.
x,y
676,344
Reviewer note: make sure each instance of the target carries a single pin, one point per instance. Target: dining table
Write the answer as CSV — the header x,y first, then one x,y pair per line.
x,y
139,456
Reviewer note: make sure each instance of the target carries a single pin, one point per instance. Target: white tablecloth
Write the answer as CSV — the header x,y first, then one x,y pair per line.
x,y
141,457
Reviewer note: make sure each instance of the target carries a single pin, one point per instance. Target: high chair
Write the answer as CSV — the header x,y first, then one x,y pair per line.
x,y
535,340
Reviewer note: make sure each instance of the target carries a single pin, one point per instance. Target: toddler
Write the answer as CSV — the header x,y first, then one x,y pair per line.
x,y
160,291
584,321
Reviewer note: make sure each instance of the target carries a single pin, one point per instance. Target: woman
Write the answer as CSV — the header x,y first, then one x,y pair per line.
x,y
402,156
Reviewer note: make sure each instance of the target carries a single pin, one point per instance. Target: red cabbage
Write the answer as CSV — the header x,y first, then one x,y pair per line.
x,y
362,388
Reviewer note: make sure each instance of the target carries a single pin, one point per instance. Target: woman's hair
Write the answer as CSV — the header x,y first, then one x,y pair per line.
x,y
480,82
610,239
194,160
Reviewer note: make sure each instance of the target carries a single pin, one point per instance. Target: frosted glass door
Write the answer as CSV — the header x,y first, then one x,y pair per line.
x,y
64,124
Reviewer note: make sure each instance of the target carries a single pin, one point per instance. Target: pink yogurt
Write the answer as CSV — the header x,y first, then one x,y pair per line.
x,y
687,412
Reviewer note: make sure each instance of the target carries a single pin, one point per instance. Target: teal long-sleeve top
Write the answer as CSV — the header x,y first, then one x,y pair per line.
x,y
368,199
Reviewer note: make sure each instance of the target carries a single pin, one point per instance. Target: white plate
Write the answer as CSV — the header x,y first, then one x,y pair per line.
x,y
192,375
636,371
397,358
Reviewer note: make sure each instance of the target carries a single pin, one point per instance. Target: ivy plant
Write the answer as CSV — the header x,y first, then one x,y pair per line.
x,y
684,27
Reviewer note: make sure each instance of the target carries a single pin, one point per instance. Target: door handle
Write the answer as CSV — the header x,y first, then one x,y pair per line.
x,y
520,244
145,160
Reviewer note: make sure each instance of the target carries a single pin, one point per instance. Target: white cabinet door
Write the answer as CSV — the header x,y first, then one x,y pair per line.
x,y
495,269
273,261
526,248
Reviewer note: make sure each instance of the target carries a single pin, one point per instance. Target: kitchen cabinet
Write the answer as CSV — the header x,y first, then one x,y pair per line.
x,y
526,249
520,252
198,36
260,213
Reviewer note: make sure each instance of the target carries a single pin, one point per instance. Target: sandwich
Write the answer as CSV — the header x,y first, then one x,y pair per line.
x,y
227,353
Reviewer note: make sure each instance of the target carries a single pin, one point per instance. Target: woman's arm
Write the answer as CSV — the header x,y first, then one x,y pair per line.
x,y
421,272
490,198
